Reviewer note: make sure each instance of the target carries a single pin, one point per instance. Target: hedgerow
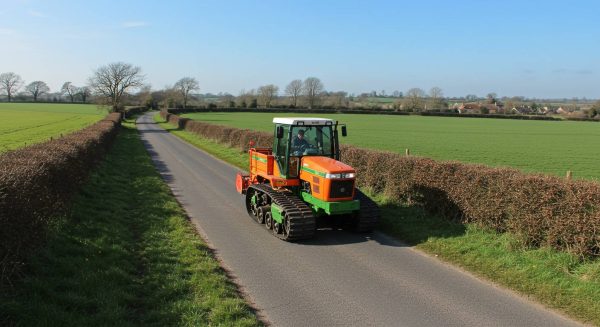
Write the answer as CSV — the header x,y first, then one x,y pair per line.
x,y
36,184
541,210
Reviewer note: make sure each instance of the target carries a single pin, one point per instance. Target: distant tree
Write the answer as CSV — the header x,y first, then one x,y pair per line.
x,y
312,90
266,93
471,97
397,94
10,84
37,88
70,90
437,97
113,81
145,97
246,97
492,97
594,110
294,91
414,99
253,103
338,99
84,93
186,85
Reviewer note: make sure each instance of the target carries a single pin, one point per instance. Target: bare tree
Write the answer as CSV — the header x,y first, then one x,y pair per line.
x,y
10,83
186,85
112,81
312,89
84,92
414,99
436,94
246,98
294,90
37,88
69,89
491,97
471,97
266,94
338,99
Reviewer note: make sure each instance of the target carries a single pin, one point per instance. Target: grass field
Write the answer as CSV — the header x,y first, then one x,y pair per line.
x,y
126,256
27,123
558,280
533,146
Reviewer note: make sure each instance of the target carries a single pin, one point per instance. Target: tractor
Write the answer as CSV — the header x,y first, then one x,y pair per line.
x,y
299,183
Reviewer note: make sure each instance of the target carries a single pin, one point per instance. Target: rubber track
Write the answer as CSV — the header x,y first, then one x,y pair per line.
x,y
302,220
369,213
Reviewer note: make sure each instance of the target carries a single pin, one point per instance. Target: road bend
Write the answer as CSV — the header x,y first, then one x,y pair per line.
x,y
337,278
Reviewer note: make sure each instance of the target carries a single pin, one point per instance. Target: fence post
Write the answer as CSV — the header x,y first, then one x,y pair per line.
x,y
569,175
407,151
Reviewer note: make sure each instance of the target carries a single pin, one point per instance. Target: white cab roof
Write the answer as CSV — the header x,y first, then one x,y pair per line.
x,y
302,121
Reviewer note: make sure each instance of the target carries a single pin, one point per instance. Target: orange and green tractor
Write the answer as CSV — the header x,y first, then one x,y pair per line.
x,y
299,182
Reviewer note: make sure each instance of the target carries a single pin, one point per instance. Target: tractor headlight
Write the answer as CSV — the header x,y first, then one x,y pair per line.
x,y
342,175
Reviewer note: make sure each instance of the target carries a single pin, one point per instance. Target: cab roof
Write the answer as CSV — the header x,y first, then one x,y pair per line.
x,y
302,121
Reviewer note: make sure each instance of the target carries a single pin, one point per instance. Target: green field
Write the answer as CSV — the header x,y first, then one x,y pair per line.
x,y
559,280
27,123
534,146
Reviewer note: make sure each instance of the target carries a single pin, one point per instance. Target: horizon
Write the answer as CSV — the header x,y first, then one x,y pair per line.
x,y
541,50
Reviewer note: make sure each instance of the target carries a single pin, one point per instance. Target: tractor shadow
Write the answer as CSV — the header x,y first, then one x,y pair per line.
x,y
399,226
333,236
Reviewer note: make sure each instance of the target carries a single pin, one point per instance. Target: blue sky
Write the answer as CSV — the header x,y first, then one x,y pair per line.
x,y
547,49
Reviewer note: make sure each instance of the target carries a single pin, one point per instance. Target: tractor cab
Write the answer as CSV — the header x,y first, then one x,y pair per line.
x,y
300,137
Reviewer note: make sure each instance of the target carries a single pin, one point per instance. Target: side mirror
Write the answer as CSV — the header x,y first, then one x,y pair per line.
x,y
344,132
279,132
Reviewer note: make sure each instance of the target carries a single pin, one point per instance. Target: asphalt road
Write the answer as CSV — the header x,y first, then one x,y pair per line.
x,y
336,279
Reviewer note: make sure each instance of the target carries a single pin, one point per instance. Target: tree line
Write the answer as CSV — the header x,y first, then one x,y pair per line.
x,y
13,86
119,84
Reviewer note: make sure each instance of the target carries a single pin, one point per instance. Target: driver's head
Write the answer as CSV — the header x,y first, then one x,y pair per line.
x,y
301,133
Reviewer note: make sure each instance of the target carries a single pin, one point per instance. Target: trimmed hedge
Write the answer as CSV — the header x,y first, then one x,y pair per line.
x,y
541,210
37,182
293,110
496,116
374,112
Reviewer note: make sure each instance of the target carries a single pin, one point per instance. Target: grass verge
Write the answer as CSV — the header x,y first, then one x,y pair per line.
x,y
125,256
555,279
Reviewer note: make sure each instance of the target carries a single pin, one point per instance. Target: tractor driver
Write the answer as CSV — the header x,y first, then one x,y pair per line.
x,y
299,144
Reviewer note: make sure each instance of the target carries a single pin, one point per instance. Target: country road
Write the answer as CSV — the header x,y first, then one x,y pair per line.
x,y
336,279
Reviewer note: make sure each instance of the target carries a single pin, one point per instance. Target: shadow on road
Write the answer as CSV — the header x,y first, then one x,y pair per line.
x,y
329,236
160,165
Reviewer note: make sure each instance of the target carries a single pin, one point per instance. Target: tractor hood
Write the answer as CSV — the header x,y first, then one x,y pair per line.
x,y
324,165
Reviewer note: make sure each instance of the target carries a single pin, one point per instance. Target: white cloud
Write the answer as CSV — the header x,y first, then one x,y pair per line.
x,y
6,31
134,24
37,13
